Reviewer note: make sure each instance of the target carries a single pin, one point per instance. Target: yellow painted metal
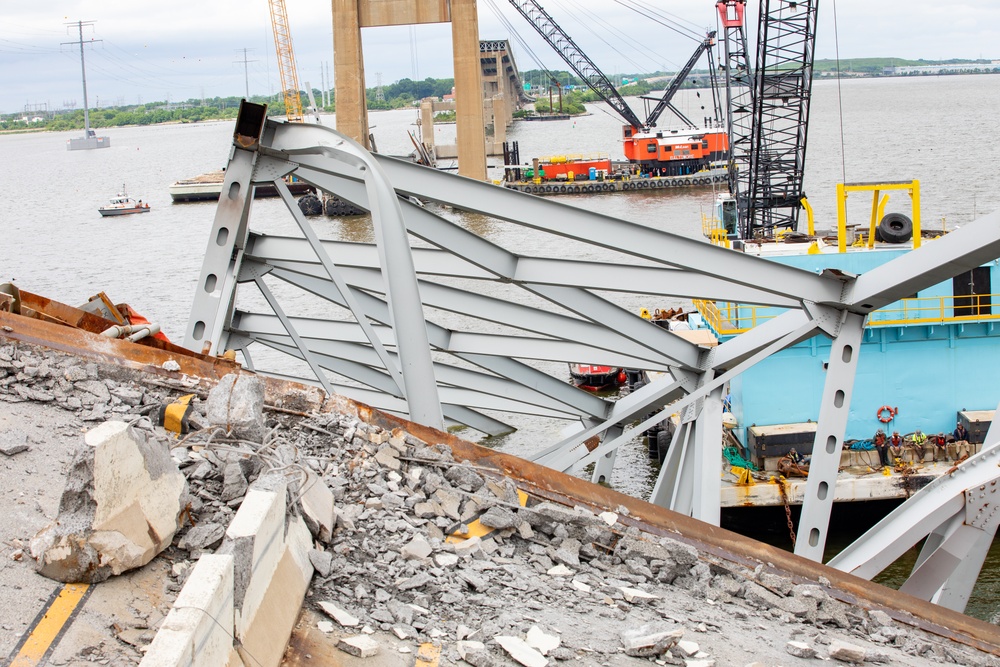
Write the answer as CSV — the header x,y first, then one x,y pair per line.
x,y
810,218
47,629
878,210
728,319
915,202
841,218
874,221
477,529
286,61
173,415
913,187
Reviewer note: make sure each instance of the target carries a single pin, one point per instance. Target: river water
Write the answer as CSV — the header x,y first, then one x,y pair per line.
x,y
940,130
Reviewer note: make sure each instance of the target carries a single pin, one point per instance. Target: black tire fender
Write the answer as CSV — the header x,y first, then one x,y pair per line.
x,y
894,228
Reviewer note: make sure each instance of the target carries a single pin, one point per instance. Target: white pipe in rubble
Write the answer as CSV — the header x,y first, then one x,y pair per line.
x,y
137,331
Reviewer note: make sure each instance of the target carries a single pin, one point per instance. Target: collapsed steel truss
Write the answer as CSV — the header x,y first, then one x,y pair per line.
x,y
384,347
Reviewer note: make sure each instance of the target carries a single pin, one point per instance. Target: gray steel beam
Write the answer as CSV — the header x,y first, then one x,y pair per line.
x,y
707,459
961,250
213,297
390,365
402,292
614,277
502,311
833,413
596,229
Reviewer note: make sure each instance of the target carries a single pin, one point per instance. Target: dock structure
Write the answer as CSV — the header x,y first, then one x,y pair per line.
x,y
624,183
400,356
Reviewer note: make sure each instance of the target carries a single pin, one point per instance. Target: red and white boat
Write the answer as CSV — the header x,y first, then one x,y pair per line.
x,y
596,378
122,204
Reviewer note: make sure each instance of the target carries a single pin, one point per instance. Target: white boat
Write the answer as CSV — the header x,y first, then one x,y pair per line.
x,y
122,204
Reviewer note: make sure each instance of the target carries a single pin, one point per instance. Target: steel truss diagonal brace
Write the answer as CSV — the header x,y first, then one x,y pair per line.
x,y
704,390
402,293
832,423
334,275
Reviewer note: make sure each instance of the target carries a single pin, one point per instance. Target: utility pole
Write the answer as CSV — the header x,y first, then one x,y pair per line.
x,y
246,74
83,69
324,84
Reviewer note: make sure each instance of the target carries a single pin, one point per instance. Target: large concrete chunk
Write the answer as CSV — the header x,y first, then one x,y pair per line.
x,y
236,405
119,509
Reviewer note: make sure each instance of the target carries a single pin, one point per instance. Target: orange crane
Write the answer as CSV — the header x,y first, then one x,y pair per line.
x,y
286,61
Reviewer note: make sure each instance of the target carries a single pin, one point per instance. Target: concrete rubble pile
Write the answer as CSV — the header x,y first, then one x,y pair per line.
x,y
411,548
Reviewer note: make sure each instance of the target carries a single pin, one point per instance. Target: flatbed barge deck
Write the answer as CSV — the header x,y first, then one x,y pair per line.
x,y
621,184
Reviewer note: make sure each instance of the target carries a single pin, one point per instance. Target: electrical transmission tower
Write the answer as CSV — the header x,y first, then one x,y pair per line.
x,y
246,73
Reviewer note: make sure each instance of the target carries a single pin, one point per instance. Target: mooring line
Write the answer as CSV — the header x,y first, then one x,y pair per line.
x,y
49,626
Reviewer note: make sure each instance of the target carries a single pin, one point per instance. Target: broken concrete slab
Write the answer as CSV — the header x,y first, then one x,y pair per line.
x,y
841,650
318,507
650,640
119,509
417,548
322,562
800,649
541,641
13,441
361,646
342,616
198,628
236,404
519,650
202,537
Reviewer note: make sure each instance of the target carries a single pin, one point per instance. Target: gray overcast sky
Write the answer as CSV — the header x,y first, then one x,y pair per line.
x,y
183,49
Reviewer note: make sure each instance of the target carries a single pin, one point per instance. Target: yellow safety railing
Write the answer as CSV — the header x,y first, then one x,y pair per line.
x,y
934,310
712,229
728,319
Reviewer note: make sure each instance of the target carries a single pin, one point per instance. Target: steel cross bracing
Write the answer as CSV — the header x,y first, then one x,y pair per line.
x,y
444,326
574,56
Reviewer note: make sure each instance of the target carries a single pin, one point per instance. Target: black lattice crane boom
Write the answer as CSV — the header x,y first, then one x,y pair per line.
x,y
675,84
574,56
769,111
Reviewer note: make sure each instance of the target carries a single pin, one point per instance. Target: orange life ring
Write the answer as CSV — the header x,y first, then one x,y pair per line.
x,y
887,418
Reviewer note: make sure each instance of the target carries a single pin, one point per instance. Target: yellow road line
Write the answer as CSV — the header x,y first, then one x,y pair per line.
x,y
477,529
428,655
49,626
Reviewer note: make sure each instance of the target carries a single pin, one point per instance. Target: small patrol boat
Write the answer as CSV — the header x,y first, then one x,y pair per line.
x,y
122,204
